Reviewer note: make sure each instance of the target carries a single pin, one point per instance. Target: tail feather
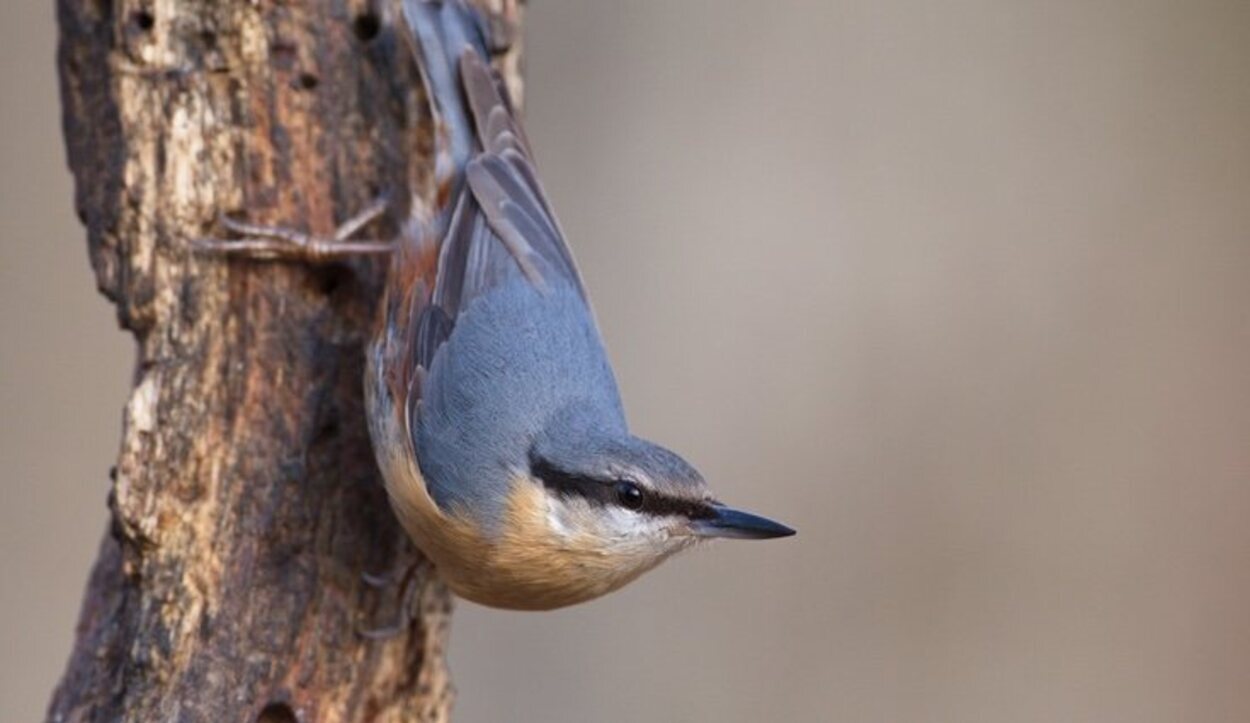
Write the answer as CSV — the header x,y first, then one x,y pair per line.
x,y
439,31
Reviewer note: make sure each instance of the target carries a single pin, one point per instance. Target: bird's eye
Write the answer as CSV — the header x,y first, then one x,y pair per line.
x,y
629,495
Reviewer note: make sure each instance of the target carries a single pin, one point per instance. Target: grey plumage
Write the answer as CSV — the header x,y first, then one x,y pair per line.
x,y
493,411
518,362
512,363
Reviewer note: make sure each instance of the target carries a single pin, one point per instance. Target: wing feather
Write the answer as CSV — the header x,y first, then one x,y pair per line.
x,y
500,221
503,180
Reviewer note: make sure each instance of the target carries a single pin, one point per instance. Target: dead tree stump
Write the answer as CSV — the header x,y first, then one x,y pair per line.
x,y
245,503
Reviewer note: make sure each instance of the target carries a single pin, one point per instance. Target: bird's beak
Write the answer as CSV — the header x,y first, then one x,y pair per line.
x,y
728,522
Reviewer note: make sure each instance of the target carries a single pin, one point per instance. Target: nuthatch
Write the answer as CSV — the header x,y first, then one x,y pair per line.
x,y
493,410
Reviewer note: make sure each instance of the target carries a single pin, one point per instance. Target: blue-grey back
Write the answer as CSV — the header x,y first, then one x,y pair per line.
x,y
516,358
507,340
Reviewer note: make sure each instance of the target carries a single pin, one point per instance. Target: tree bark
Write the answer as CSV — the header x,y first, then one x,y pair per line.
x,y
245,503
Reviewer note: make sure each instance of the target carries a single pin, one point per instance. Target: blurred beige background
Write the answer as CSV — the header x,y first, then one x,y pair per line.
x,y
960,290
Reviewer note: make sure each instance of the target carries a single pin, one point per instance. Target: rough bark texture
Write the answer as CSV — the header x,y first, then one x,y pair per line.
x,y
245,502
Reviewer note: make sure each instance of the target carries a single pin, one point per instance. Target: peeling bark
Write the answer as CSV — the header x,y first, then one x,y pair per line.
x,y
245,502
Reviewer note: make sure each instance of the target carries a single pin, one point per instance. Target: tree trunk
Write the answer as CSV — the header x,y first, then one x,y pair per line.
x,y
245,502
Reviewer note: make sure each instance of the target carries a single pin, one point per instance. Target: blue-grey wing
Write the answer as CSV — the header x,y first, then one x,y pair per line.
x,y
507,333
502,223
505,184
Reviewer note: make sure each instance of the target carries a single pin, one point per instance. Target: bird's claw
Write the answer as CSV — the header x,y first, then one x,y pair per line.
x,y
278,242
408,593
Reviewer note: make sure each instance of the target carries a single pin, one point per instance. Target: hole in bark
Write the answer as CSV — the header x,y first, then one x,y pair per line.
x,y
308,81
331,278
277,713
143,20
326,431
103,8
367,25
283,48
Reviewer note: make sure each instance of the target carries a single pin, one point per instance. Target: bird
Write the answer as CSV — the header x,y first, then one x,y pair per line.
x,y
494,412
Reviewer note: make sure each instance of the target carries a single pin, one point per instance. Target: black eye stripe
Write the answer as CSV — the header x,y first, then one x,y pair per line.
x,y
660,505
605,492
571,485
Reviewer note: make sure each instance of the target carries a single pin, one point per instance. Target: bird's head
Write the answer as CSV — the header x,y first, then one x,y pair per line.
x,y
617,505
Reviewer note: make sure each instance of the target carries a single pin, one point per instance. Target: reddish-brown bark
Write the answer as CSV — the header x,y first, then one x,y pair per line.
x,y
246,502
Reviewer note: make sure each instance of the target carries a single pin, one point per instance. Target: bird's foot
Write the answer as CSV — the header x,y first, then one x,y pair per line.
x,y
286,244
408,582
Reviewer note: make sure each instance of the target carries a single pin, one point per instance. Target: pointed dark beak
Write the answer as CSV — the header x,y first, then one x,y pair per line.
x,y
728,522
